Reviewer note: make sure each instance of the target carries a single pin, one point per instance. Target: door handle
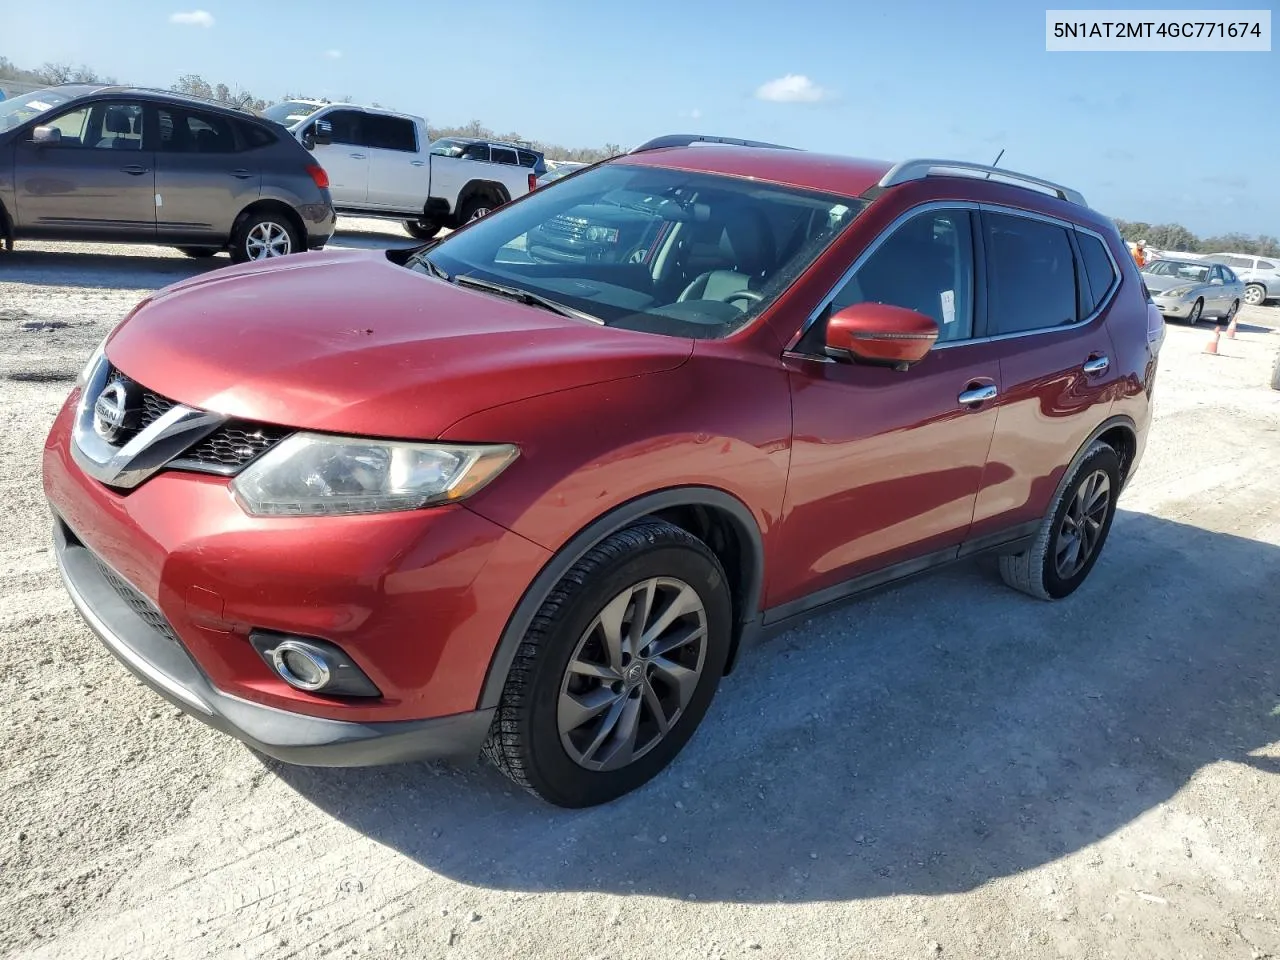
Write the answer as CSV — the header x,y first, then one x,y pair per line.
x,y
242,174
979,394
357,156
416,163
1096,365
134,170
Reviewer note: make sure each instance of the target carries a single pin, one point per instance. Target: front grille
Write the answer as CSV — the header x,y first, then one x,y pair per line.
x,y
232,446
224,452
571,228
140,605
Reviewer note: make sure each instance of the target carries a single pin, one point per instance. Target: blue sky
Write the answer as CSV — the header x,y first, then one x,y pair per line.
x,y
1147,136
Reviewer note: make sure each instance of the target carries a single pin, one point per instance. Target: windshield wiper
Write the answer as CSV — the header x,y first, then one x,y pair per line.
x,y
430,266
526,297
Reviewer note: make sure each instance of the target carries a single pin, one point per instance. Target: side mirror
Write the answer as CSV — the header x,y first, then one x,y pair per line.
x,y
1215,282
319,133
46,135
880,334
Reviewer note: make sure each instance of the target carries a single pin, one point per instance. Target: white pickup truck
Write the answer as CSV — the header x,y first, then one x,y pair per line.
x,y
380,164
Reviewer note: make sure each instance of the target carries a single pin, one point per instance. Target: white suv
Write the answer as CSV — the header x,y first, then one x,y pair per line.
x,y
1261,275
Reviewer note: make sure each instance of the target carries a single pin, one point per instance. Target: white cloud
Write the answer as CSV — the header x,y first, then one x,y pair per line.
x,y
793,88
694,114
333,54
195,18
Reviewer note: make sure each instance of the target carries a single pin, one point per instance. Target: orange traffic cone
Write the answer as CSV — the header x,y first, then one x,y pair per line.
x,y
1231,328
1212,345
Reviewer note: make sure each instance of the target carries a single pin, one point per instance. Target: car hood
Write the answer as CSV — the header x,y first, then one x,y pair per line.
x,y
349,342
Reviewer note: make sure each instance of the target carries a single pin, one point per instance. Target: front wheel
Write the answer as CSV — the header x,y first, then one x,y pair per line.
x,y
1072,534
1255,294
1196,310
263,236
421,229
617,669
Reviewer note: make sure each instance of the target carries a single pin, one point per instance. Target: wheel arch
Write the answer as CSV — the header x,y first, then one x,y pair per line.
x,y
275,206
1118,432
718,518
490,189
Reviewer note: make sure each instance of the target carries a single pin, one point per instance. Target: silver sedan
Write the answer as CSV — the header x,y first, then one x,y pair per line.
x,y
1192,289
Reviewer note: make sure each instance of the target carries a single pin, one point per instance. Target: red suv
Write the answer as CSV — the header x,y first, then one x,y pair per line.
x,y
532,497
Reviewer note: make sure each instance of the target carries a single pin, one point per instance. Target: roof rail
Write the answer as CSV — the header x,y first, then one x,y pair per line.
x,y
909,170
687,139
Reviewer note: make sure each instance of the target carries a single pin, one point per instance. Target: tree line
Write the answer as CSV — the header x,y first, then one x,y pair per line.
x,y
1174,236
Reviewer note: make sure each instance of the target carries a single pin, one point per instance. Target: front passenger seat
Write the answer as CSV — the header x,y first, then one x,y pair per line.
x,y
749,252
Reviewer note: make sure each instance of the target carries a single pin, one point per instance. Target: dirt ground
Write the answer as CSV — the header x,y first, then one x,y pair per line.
x,y
944,769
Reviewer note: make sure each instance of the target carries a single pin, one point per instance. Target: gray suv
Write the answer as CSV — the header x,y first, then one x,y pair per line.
x,y
120,164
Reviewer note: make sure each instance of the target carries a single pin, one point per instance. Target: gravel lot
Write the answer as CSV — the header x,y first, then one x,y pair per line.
x,y
947,768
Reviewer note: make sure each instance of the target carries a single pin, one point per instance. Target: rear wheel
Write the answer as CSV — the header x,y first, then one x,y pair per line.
x,y
617,669
263,236
1231,313
475,208
198,252
421,229
1072,534
1255,294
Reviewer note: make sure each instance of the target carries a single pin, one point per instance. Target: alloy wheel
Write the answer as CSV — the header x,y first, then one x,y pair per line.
x,y
1081,526
1194,317
632,674
479,212
266,240
1253,295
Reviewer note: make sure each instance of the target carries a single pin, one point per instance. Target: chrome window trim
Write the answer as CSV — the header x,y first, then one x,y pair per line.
x,y
981,207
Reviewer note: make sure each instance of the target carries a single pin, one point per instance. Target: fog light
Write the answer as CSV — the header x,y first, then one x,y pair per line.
x,y
301,665
316,666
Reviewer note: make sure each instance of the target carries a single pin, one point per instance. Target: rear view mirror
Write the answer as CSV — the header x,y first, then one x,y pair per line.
x,y
880,334
46,135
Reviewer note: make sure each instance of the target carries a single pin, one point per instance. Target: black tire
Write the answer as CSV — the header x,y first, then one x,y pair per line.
x,y
1231,313
525,738
477,206
1197,311
421,229
249,226
1035,571
200,252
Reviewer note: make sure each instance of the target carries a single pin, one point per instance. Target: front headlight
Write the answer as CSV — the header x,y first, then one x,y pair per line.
x,y
310,474
94,359
1176,292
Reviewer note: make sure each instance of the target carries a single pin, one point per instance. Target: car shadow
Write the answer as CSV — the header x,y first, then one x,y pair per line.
x,y
113,271
926,739
389,239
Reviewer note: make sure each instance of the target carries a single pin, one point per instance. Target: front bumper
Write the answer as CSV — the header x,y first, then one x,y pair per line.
x,y
1173,308
161,662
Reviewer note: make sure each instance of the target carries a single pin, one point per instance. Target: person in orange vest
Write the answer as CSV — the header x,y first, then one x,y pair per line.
x,y
1140,253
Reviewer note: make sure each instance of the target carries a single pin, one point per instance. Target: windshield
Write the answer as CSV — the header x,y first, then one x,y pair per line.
x,y
1191,272
662,251
289,112
18,110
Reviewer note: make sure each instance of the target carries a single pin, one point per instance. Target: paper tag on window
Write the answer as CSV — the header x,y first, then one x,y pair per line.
x,y
948,306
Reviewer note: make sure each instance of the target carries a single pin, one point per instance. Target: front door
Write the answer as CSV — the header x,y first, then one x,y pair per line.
x,y
203,176
346,160
886,464
96,180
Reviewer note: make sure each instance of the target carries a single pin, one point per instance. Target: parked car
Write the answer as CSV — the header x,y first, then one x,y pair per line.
x,y
432,499
129,165
559,171
1193,289
381,164
1261,275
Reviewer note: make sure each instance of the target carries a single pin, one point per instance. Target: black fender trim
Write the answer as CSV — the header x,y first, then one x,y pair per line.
x,y
627,513
1109,424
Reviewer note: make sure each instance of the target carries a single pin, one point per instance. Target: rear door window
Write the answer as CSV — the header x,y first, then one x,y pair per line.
x,y
182,131
504,155
1031,274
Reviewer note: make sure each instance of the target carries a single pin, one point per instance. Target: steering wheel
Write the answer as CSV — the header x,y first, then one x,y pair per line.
x,y
751,296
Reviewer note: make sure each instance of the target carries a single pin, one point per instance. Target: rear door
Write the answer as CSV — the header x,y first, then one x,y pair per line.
x,y
346,160
97,181
205,175
1057,363
398,175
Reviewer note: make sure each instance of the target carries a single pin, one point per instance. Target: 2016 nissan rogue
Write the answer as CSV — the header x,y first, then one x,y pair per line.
x,y
362,507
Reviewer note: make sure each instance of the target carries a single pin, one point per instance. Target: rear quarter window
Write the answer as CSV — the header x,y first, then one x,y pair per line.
x,y
254,137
